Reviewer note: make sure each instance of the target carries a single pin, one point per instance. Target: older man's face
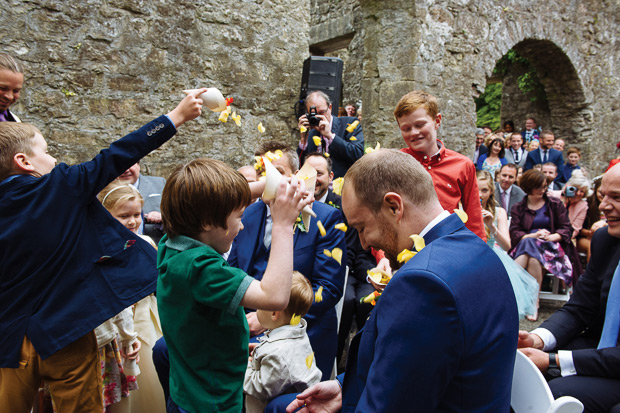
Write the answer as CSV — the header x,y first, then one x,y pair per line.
x,y
131,175
610,205
10,87
322,108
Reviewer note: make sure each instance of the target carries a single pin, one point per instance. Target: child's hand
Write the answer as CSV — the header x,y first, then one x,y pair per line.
x,y
290,201
132,352
189,108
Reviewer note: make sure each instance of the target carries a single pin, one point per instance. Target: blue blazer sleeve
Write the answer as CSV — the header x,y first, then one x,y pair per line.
x,y
342,143
481,160
529,161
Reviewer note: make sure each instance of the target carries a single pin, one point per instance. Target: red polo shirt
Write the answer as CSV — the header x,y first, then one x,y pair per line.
x,y
454,178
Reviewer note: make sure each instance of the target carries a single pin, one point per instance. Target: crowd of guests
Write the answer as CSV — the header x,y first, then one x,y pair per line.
x,y
192,293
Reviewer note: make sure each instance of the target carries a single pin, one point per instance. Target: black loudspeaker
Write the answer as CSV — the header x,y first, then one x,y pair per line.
x,y
324,74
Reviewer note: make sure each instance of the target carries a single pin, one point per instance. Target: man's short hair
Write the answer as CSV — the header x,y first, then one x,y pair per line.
x,y
509,165
302,296
321,94
479,131
328,160
273,146
15,138
7,62
203,192
389,170
414,100
573,149
547,132
531,180
551,164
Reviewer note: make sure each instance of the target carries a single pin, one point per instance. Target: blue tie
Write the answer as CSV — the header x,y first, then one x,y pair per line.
x,y
609,337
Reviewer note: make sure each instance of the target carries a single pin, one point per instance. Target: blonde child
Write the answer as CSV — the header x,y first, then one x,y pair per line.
x,y
200,297
125,203
283,361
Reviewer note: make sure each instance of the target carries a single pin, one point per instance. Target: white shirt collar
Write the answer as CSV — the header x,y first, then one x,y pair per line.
x,y
324,197
445,214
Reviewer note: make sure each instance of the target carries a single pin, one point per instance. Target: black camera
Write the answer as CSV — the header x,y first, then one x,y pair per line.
x,y
570,191
312,119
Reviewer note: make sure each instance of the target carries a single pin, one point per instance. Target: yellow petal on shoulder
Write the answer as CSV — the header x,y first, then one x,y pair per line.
x,y
318,295
342,227
303,129
337,185
352,126
322,231
352,138
261,128
327,252
418,242
405,255
295,319
462,214
316,140
309,360
337,255
223,116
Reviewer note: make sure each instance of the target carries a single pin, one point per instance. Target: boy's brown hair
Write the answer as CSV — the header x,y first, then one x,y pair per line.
x,y
414,100
302,296
203,192
117,192
573,149
15,138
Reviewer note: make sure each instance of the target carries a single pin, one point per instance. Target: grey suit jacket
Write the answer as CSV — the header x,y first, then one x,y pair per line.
x,y
510,158
151,187
516,195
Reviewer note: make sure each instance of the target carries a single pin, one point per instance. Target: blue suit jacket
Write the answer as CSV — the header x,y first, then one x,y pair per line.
x,y
535,157
65,268
309,260
443,335
343,151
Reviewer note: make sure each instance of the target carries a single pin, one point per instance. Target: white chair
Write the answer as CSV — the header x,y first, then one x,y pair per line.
x,y
555,294
531,393
339,314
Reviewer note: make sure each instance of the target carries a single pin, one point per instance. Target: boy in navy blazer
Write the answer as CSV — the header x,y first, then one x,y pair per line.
x,y
67,264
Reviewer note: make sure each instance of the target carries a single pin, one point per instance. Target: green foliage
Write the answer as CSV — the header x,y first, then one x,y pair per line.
x,y
488,106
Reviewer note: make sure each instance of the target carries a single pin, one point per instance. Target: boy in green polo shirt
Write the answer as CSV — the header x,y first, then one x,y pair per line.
x,y
200,297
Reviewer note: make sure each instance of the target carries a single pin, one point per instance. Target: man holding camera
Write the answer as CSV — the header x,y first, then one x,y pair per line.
x,y
339,137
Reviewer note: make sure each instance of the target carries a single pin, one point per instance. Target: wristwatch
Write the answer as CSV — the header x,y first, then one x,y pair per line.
x,y
554,369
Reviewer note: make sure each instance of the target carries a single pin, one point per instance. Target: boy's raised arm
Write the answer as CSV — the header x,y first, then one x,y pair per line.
x,y
189,108
273,291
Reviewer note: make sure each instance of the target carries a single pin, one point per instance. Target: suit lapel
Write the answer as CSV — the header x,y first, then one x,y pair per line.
x,y
253,235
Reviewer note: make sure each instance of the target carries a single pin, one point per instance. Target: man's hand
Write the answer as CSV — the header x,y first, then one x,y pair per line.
x,y
153,217
324,397
255,327
325,127
529,340
303,136
189,108
251,347
539,357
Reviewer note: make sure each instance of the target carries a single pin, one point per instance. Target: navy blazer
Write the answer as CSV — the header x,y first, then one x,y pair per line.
x,y
65,269
309,260
535,157
343,151
584,313
442,337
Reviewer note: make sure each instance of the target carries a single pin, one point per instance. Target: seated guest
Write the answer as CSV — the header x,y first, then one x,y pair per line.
x,y
577,188
278,364
11,82
494,159
508,129
595,220
515,153
507,192
532,146
573,156
545,153
480,148
577,347
530,133
466,358
251,248
540,233
551,172
559,144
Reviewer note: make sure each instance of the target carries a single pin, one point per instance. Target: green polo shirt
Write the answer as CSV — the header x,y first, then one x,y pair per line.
x,y
205,327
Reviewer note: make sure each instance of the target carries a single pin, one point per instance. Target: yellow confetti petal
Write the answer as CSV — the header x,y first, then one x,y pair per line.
x,y
337,185
271,156
462,214
223,117
295,319
337,255
229,109
352,138
328,253
322,231
405,255
317,141
326,154
278,153
418,242
309,360
352,126
238,120
342,227
303,129
318,295
261,128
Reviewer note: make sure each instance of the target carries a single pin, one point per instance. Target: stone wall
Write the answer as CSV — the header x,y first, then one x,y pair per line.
x,y
98,70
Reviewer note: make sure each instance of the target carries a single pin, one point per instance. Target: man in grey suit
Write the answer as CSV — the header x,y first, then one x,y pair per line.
x,y
150,187
514,150
506,192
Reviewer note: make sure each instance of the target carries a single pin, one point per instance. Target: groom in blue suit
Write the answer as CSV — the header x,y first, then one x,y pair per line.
x,y
441,337
250,252
545,153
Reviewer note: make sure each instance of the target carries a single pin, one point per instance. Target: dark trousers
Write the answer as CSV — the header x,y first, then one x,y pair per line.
x,y
598,394
162,365
351,307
